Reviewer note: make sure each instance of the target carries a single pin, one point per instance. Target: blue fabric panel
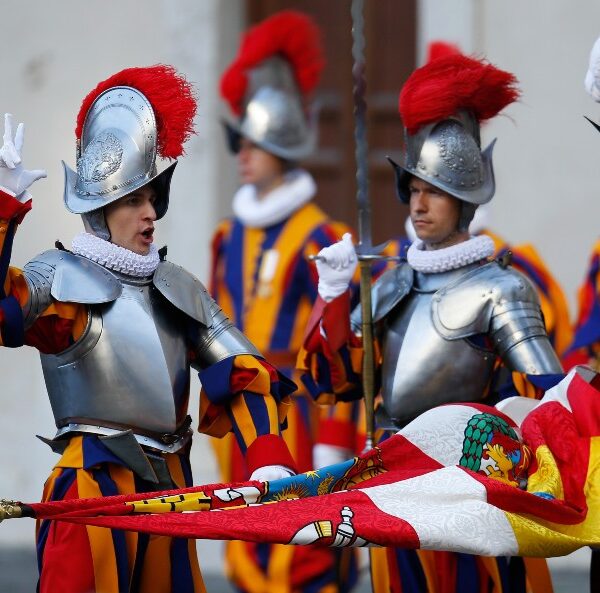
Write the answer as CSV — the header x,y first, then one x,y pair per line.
x,y
13,330
215,381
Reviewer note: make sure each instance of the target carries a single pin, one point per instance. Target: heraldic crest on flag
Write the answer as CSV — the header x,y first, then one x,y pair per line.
x,y
518,479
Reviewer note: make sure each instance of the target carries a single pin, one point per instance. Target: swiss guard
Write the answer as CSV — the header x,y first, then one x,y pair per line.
x,y
451,324
261,273
119,328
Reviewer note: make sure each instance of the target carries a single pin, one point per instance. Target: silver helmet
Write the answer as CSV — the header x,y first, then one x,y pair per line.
x,y
116,153
274,117
447,155
442,105
123,125
267,85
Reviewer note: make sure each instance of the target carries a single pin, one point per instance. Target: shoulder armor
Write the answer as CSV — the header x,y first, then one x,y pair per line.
x,y
389,289
68,278
184,291
465,307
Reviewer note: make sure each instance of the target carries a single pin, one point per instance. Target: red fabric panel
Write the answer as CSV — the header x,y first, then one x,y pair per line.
x,y
67,566
11,208
311,333
50,334
338,433
336,321
269,449
585,403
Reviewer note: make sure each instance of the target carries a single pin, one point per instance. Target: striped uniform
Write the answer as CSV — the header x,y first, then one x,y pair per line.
x,y
265,283
242,394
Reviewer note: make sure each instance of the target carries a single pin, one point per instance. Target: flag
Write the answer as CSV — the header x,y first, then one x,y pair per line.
x,y
461,477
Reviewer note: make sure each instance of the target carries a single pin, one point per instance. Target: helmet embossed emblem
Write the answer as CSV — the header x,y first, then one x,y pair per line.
x,y
459,151
101,158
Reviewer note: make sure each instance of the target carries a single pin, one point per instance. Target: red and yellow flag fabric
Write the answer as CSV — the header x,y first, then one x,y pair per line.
x,y
463,478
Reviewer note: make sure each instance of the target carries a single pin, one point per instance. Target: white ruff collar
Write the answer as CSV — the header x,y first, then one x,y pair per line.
x,y
299,187
449,258
115,257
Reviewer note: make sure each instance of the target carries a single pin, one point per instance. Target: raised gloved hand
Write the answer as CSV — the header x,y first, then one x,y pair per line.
x,y
268,473
336,265
592,76
14,178
324,455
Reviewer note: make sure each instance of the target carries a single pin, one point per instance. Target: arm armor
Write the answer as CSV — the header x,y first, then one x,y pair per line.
x,y
219,341
214,337
65,277
503,304
519,336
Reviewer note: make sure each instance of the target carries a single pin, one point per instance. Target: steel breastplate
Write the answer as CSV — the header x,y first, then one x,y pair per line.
x,y
421,369
128,370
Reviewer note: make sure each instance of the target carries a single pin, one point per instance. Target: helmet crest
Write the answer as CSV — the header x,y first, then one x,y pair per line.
x,y
288,34
172,99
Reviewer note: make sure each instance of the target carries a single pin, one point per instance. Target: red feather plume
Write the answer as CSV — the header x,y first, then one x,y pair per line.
x,y
291,34
172,99
448,84
441,49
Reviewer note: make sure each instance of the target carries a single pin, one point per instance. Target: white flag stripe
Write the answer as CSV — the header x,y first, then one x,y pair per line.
x,y
435,432
449,511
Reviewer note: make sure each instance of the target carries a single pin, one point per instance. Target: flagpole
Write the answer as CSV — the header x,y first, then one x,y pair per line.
x,y
364,249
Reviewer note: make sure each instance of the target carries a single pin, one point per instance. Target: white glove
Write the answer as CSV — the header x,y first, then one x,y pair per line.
x,y
336,265
14,178
324,455
592,76
268,473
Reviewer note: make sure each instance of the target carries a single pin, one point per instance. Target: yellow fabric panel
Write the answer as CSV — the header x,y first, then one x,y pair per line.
x,y
72,455
491,567
380,577
427,560
157,565
217,426
547,476
253,240
195,566
279,569
222,450
125,482
523,386
242,569
100,538
566,538
243,419
263,308
175,470
538,575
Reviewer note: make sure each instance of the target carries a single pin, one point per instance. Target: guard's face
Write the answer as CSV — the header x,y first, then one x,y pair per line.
x,y
257,166
434,213
130,220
